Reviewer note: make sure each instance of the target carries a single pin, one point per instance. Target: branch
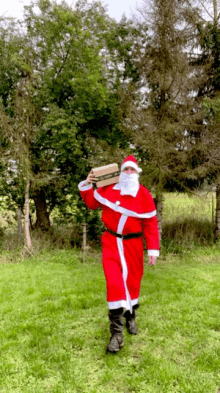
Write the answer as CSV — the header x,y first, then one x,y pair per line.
x,y
205,9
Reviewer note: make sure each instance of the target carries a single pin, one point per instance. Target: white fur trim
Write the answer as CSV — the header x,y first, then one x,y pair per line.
x,y
121,223
120,209
132,165
127,304
124,272
153,253
121,303
84,187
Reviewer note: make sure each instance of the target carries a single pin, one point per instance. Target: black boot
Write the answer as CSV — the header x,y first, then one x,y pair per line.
x,y
116,329
130,320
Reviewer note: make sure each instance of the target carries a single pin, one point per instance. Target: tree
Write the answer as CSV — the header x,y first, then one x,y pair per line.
x,y
11,42
205,133
18,132
75,100
161,97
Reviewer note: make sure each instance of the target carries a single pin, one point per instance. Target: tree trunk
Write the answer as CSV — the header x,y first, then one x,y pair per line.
x,y
26,218
159,206
42,215
215,9
19,225
217,216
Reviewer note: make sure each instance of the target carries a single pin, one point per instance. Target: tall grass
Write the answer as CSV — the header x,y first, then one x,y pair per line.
x,y
188,220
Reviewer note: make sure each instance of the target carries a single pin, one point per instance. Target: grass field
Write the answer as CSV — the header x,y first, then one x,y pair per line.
x,y
54,327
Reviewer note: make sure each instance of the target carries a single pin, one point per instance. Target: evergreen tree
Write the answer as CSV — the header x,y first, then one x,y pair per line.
x,y
204,135
161,97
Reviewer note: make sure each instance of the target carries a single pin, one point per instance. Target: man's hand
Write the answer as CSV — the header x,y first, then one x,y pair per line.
x,y
152,260
90,178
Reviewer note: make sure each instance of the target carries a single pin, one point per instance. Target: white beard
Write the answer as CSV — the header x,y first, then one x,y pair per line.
x,y
129,184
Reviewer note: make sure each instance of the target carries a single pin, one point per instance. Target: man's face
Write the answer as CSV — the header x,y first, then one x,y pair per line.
x,y
129,170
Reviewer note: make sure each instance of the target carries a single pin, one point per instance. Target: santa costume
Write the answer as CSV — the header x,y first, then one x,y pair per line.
x,y
129,215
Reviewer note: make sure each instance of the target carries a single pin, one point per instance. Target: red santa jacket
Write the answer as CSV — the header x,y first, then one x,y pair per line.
x,y
139,212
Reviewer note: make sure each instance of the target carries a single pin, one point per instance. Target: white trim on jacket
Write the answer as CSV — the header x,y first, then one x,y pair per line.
x,y
153,253
120,209
121,303
84,187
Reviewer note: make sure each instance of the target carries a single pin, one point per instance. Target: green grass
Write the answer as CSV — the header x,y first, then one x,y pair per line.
x,y
198,206
54,327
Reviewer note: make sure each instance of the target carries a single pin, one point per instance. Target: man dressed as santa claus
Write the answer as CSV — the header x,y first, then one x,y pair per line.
x,y
129,215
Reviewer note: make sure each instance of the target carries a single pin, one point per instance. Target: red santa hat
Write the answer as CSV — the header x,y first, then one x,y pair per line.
x,y
132,162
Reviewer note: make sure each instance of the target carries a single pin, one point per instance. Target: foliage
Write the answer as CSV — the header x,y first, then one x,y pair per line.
x,y
78,104
11,43
204,133
207,141
161,96
74,95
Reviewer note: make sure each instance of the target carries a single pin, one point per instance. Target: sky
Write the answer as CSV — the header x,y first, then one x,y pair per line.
x,y
116,8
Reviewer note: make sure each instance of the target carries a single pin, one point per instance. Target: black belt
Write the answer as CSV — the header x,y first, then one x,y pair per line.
x,y
125,237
